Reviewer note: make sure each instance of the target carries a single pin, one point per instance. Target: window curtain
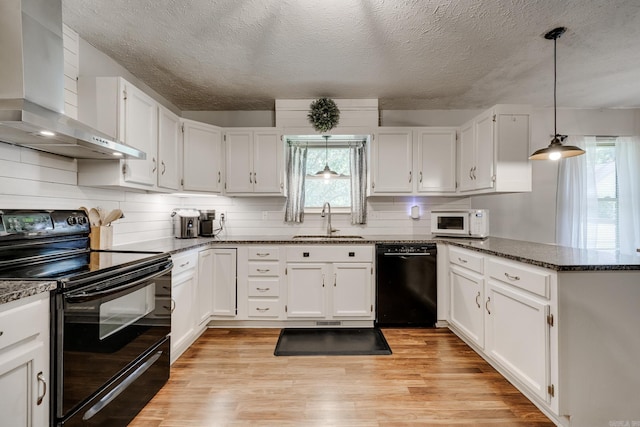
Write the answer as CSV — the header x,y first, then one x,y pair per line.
x,y
628,171
296,171
358,159
577,199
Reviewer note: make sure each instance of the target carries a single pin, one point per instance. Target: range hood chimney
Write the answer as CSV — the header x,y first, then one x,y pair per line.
x,y
32,86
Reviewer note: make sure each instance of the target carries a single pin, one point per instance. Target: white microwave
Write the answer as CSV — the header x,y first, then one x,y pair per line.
x,y
460,223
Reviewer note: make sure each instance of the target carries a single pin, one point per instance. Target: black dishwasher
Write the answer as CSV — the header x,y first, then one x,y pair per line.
x,y
406,291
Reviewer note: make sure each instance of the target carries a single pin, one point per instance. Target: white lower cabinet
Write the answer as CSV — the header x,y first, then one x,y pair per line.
x,y
223,291
183,286
503,309
263,282
206,274
24,362
335,283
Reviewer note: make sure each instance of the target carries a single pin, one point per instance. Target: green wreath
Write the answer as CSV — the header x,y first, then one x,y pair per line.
x,y
324,114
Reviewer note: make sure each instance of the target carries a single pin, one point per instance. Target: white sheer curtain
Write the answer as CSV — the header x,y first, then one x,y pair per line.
x,y
296,171
628,170
577,199
358,159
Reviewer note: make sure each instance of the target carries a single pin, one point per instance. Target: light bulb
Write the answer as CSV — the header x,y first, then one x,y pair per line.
x,y
46,133
554,155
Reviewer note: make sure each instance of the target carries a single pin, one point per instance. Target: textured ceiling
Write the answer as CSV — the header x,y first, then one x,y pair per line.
x,y
410,54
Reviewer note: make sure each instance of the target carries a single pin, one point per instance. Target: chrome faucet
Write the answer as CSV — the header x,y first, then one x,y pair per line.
x,y
326,208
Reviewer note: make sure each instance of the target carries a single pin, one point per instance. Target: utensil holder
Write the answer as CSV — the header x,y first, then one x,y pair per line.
x,y
101,238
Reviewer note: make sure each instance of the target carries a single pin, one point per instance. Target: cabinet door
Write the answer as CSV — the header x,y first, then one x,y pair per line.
x,y
392,161
466,154
483,174
202,157
22,385
268,153
352,290
168,145
139,128
467,297
436,161
306,284
205,286
224,293
182,318
239,162
517,335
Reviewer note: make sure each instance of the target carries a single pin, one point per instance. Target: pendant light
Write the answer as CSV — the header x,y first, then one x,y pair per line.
x,y
326,172
556,150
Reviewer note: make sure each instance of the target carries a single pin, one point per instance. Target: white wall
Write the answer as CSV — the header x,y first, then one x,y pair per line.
x,y
233,118
531,216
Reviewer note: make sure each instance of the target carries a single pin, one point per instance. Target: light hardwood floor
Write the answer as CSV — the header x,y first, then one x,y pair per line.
x,y
230,377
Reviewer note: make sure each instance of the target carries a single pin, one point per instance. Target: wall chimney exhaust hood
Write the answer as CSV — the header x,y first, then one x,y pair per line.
x,y
32,86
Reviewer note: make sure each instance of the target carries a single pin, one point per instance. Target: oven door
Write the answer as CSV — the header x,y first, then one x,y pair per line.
x,y
105,328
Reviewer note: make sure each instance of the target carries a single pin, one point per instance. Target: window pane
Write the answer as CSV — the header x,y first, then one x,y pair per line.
x,y
338,159
336,190
605,226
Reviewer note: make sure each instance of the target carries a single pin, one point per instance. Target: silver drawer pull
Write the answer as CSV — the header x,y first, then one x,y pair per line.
x,y
486,305
478,296
508,276
263,270
185,264
263,289
262,309
42,381
462,260
263,254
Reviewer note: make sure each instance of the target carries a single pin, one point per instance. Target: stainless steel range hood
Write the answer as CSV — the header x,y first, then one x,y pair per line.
x,y
32,86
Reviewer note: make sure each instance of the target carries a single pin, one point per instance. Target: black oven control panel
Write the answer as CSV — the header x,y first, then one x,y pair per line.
x,y
39,223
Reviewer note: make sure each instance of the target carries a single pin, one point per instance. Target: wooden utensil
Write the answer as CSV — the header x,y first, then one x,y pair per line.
x,y
94,217
102,214
112,216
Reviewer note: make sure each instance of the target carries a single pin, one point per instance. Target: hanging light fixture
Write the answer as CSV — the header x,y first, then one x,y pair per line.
x,y
556,150
326,172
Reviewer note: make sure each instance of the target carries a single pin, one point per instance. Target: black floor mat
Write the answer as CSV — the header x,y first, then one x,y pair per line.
x,y
331,342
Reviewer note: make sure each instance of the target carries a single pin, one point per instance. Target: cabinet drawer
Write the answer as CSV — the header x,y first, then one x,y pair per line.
x,y
330,253
23,319
267,253
264,308
467,259
264,287
263,269
519,275
184,262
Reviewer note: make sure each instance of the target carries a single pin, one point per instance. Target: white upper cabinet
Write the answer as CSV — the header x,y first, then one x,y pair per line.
x,y
202,157
494,150
168,149
414,161
435,161
392,161
254,162
117,108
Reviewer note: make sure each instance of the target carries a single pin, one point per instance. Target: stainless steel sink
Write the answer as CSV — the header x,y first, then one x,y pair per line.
x,y
324,236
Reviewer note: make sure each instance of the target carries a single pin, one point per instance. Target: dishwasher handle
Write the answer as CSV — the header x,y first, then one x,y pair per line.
x,y
405,254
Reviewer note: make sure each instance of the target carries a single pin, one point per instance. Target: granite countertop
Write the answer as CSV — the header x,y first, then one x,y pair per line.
x,y
559,258
11,290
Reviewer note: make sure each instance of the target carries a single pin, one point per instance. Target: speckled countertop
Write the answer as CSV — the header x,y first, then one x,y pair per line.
x,y
11,290
554,257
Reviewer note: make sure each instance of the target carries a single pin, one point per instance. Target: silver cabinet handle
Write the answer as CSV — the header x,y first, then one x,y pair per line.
x,y
263,289
185,264
410,175
335,280
155,164
470,176
486,305
510,277
263,270
42,381
263,254
262,309
218,177
478,296
164,167
250,179
420,177
173,305
474,172
255,178
323,280
462,260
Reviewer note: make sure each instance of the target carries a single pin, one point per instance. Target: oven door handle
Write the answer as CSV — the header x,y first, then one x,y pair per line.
x,y
89,295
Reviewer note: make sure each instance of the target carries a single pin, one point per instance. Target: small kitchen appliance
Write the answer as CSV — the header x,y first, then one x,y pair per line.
x,y
460,223
206,222
186,223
